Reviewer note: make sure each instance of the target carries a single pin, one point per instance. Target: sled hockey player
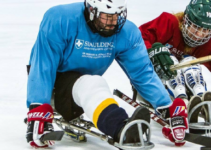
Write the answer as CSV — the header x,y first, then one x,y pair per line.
x,y
181,37
76,44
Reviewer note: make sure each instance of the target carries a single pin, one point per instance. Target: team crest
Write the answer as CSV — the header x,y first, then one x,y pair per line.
x,y
178,110
79,43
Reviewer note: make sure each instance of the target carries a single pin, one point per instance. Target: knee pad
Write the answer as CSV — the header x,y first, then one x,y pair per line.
x,y
89,91
193,77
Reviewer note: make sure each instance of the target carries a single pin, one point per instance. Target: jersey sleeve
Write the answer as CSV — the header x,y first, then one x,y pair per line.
x,y
44,60
158,30
138,67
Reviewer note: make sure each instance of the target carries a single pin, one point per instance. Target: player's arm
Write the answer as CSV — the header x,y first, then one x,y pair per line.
x,y
135,62
44,61
138,67
159,29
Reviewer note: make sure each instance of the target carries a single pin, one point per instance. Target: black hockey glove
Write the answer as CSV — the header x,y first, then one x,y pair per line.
x,y
160,58
39,122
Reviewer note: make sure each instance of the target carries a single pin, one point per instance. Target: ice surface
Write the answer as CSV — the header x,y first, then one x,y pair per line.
x,y
19,24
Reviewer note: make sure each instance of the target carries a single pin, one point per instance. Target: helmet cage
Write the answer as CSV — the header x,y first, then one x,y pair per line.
x,y
190,31
117,22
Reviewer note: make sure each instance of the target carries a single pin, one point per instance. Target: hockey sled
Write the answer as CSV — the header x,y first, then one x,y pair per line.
x,y
201,127
80,127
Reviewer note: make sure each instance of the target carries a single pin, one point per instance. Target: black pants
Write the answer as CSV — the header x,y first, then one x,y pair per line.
x,y
63,99
62,95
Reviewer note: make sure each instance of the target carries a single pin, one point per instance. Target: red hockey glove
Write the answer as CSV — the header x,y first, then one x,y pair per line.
x,y
176,114
39,122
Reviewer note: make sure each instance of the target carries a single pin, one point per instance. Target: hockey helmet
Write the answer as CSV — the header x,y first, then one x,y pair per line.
x,y
114,15
196,27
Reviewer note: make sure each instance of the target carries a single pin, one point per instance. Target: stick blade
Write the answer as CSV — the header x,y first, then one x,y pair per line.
x,y
198,139
53,136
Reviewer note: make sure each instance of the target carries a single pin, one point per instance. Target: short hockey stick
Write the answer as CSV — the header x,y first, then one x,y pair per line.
x,y
192,62
51,136
193,138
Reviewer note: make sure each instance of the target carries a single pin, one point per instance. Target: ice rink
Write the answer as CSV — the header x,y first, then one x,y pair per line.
x,y
19,24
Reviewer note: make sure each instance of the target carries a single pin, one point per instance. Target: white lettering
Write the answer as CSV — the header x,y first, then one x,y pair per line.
x,y
35,115
101,44
209,14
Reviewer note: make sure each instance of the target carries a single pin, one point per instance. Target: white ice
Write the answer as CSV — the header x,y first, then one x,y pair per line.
x,y
19,24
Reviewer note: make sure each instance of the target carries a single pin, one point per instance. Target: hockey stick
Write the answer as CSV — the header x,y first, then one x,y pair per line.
x,y
135,104
192,62
52,136
193,138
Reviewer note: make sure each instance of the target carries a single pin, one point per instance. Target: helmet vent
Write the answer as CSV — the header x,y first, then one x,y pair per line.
x,y
110,1
108,6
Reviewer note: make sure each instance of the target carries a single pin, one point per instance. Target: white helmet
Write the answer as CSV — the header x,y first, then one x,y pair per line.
x,y
108,6
95,7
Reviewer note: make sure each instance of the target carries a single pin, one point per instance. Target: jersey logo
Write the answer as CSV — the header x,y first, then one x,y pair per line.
x,y
178,110
79,43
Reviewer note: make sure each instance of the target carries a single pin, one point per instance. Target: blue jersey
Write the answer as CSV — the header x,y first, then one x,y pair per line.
x,y
66,43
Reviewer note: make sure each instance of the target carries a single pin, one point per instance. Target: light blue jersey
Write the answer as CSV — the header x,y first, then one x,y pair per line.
x,y
66,43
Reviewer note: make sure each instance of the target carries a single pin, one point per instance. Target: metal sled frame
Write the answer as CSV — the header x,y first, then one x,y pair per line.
x,y
86,129
144,145
206,126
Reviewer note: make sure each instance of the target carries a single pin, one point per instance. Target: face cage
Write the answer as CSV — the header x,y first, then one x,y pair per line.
x,y
118,23
190,38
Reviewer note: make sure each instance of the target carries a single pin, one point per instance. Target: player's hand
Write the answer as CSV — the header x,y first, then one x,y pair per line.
x,y
39,122
160,58
176,114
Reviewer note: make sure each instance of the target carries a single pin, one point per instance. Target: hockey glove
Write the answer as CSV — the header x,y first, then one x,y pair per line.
x,y
39,122
160,58
176,114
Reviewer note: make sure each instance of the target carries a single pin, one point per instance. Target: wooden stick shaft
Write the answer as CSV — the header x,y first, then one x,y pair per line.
x,y
192,62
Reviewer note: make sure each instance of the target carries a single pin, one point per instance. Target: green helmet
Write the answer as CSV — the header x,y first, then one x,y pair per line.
x,y
198,16
199,12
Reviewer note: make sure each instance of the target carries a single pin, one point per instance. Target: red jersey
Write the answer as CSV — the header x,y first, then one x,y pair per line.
x,y
165,29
